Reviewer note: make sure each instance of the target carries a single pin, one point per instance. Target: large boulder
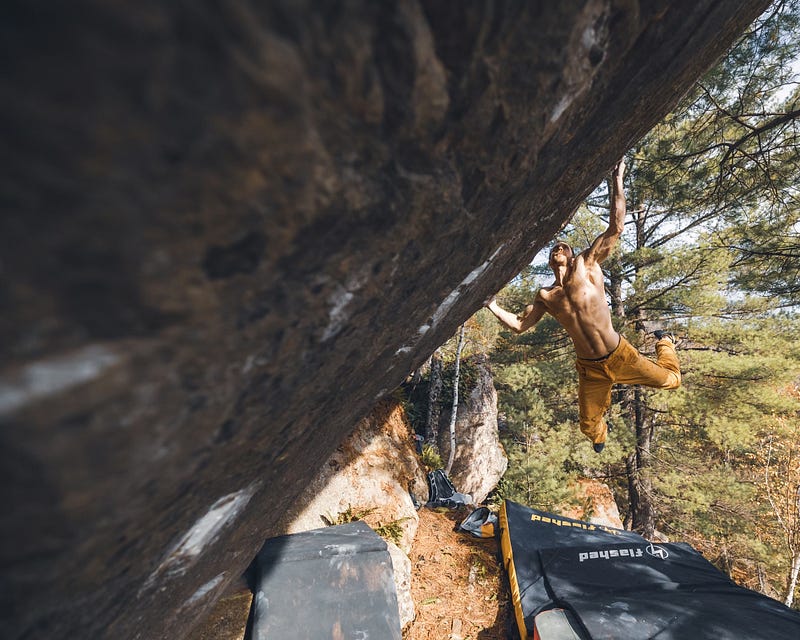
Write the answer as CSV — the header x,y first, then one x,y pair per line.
x,y
480,460
374,470
229,228
370,475
596,504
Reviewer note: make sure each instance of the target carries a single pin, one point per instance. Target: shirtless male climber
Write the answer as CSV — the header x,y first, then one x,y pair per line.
x,y
577,300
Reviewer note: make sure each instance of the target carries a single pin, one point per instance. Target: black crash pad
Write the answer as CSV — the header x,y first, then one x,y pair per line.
x,y
335,582
616,585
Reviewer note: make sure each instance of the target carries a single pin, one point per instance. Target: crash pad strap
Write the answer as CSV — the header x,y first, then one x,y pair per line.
x,y
508,563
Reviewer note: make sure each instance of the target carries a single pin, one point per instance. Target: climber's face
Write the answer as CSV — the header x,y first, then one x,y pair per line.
x,y
560,254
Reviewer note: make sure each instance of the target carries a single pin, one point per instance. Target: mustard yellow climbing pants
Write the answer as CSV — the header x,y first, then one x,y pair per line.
x,y
624,365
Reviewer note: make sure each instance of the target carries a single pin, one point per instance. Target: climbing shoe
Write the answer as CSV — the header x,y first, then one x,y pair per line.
x,y
661,333
599,446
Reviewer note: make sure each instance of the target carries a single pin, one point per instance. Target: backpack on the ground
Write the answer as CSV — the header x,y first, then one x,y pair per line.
x,y
442,493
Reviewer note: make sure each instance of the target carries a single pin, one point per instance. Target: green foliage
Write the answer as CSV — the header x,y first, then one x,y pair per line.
x,y
538,474
431,459
391,531
347,516
725,162
467,379
709,468
685,281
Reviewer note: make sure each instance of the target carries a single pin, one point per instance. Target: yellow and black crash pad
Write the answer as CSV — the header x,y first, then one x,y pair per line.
x,y
615,584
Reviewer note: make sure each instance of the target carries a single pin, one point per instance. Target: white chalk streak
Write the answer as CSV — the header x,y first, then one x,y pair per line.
x,y
338,316
45,378
450,300
204,532
203,591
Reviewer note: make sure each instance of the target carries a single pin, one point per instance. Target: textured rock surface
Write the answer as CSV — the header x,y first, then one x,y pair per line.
x,y
480,460
599,506
401,565
373,469
228,228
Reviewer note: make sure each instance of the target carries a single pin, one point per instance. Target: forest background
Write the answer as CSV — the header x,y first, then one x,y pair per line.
x,y
711,252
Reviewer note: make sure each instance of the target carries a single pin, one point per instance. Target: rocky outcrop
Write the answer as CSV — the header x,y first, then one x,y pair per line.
x,y
480,460
401,571
597,504
370,476
229,228
373,470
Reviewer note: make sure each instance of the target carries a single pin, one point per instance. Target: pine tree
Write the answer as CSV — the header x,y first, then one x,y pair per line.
x,y
780,456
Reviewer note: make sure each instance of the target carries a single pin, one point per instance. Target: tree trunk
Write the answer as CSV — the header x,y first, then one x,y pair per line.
x,y
434,397
614,290
640,481
454,412
763,586
793,580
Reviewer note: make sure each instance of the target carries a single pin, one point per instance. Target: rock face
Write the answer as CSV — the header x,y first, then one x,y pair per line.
x,y
599,506
401,567
228,229
372,470
480,460
375,467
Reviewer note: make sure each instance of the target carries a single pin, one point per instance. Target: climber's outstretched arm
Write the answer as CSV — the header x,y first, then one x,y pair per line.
x,y
518,323
604,243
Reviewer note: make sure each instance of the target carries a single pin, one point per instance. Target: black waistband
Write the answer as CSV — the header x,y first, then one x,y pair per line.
x,y
605,357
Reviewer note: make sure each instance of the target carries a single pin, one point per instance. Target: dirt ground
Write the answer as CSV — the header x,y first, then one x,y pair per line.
x,y
459,589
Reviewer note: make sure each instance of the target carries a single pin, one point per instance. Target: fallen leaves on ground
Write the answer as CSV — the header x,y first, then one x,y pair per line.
x,y
459,589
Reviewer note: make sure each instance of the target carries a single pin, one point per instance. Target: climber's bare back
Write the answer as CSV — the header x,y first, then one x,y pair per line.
x,y
579,305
